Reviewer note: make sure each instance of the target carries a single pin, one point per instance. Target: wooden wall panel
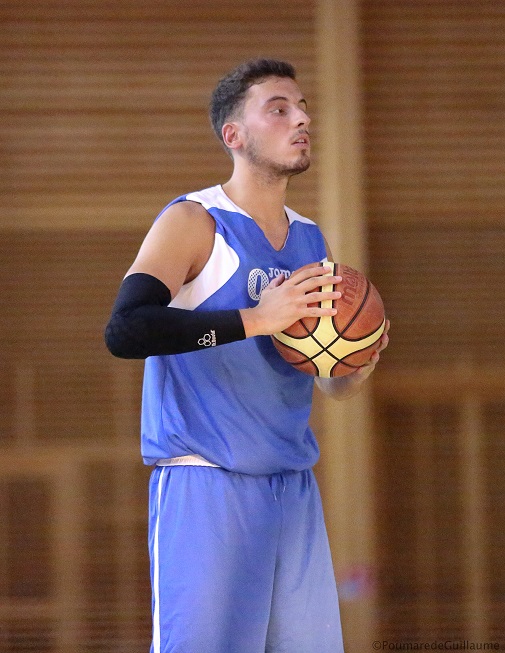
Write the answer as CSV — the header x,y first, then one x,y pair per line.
x,y
433,75
435,135
444,288
104,108
494,455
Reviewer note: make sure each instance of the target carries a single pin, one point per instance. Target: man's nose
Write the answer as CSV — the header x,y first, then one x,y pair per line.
x,y
303,119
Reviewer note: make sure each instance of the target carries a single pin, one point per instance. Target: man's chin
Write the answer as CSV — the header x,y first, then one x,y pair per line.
x,y
300,167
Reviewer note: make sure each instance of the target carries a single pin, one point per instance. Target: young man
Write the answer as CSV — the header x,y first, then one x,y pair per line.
x,y
240,561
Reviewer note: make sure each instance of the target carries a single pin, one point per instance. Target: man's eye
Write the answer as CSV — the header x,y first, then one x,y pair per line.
x,y
279,110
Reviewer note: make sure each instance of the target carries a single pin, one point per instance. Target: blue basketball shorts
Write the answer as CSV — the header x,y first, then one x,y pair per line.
x,y
240,564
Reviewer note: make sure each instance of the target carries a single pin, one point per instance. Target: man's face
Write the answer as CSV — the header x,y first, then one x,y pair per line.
x,y
275,127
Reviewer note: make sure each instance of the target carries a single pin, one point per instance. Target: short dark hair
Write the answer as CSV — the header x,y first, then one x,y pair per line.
x,y
231,89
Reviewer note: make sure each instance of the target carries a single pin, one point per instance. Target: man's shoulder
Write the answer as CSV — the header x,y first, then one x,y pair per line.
x,y
184,206
207,197
198,203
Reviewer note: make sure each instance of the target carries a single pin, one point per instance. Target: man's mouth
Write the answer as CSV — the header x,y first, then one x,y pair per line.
x,y
302,140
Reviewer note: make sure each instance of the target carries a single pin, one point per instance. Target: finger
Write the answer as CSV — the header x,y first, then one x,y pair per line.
x,y
316,297
374,358
276,281
307,285
309,271
364,371
310,266
384,342
316,311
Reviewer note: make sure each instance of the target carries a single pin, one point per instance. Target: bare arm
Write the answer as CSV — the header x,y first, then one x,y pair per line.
x,y
173,253
177,246
143,323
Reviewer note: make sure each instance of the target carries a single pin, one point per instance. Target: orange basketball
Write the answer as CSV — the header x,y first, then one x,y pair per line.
x,y
337,345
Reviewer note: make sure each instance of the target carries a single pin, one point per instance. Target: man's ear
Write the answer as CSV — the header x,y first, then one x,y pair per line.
x,y
232,137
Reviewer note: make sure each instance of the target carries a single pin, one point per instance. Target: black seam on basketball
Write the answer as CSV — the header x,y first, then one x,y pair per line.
x,y
323,347
296,351
311,333
342,360
326,349
365,335
350,365
308,333
358,311
323,350
335,358
311,358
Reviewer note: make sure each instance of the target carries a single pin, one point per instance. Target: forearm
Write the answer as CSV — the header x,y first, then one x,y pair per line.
x,y
142,324
342,387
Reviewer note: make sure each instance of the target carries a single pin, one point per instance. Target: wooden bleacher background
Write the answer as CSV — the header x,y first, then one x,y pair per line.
x,y
103,121
434,135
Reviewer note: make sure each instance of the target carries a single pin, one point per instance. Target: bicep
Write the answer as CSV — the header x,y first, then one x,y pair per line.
x,y
177,246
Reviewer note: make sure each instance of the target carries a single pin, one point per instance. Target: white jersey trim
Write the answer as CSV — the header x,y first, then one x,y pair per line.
x,y
221,266
293,216
215,197
223,261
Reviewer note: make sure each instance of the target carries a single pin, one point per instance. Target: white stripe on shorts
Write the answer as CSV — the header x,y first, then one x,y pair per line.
x,y
194,460
156,575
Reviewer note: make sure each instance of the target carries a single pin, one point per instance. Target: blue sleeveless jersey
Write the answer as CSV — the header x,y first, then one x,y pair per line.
x,y
239,405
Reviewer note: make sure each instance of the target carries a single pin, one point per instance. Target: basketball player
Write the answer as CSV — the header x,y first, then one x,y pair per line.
x,y
240,561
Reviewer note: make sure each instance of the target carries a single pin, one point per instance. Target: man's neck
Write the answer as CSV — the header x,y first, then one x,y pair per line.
x,y
263,199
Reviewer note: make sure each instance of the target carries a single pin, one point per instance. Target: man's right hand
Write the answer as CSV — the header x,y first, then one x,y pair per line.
x,y
284,301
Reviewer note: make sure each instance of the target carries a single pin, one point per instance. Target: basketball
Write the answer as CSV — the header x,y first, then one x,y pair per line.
x,y
337,345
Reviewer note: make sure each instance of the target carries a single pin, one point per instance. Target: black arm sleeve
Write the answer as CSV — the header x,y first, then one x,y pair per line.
x,y
142,324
